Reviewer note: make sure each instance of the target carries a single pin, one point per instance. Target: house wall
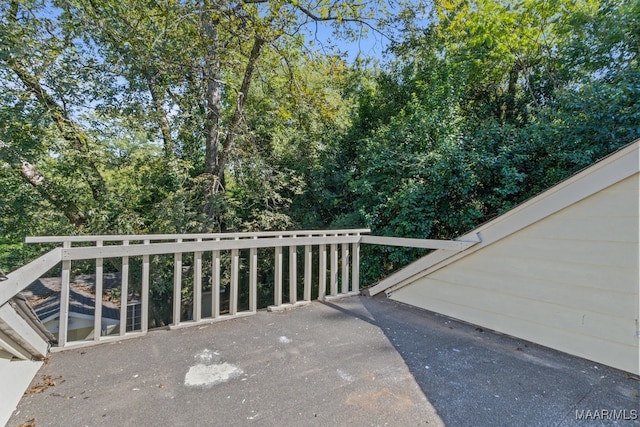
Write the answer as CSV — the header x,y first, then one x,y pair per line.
x,y
15,377
80,327
569,281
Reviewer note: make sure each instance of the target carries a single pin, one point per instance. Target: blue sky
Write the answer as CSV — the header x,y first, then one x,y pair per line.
x,y
368,43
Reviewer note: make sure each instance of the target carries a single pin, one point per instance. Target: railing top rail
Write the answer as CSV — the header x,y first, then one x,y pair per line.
x,y
19,279
212,236
115,251
451,245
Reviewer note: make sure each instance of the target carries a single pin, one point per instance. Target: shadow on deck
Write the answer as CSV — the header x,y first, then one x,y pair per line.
x,y
359,361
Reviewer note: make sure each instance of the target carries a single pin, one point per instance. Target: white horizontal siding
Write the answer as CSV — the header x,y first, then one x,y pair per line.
x,y
605,229
506,285
577,251
618,355
516,269
558,314
569,281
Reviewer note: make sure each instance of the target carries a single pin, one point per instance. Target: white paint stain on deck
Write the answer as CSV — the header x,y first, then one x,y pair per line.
x,y
285,340
209,375
209,371
344,376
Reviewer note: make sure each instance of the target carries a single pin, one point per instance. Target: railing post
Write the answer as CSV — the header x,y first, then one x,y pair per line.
x,y
277,279
345,267
124,291
177,286
215,283
253,278
293,273
97,313
355,267
307,272
63,320
233,293
333,281
322,270
197,285
144,313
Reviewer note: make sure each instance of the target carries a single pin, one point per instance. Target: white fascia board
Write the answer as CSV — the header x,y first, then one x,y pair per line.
x,y
9,346
20,335
614,168
452,245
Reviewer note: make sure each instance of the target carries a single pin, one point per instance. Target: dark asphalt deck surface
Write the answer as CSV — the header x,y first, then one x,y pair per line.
x,y
360,361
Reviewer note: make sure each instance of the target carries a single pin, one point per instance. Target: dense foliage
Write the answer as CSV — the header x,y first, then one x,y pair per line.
x,y
142,117
488,106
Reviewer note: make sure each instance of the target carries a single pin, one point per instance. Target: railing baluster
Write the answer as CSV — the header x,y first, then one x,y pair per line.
x,y
97,318
215,283
333,281
345,268
144,314
197,285
253,278
293,273
233,294
124,291
307,272
177,286
277,279
322,271
63,320
355,267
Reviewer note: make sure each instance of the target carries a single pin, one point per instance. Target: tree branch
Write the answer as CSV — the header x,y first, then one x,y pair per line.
x,y
331,17
239,110
151,78
37,180
70,131
163,121
68,128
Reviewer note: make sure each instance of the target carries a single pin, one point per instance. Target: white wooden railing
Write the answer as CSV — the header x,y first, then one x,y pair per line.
x,y
338,261
338,246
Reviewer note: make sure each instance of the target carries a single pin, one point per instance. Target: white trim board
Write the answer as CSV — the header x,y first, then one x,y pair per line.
x,y
18,337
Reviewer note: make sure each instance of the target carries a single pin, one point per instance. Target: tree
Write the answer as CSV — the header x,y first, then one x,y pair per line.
x,y
490,104
128,117
29,47
190,66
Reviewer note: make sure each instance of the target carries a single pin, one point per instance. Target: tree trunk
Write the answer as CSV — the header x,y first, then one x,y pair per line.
x,y
238,114
30,174
213,100
70,131
161,115
509,106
